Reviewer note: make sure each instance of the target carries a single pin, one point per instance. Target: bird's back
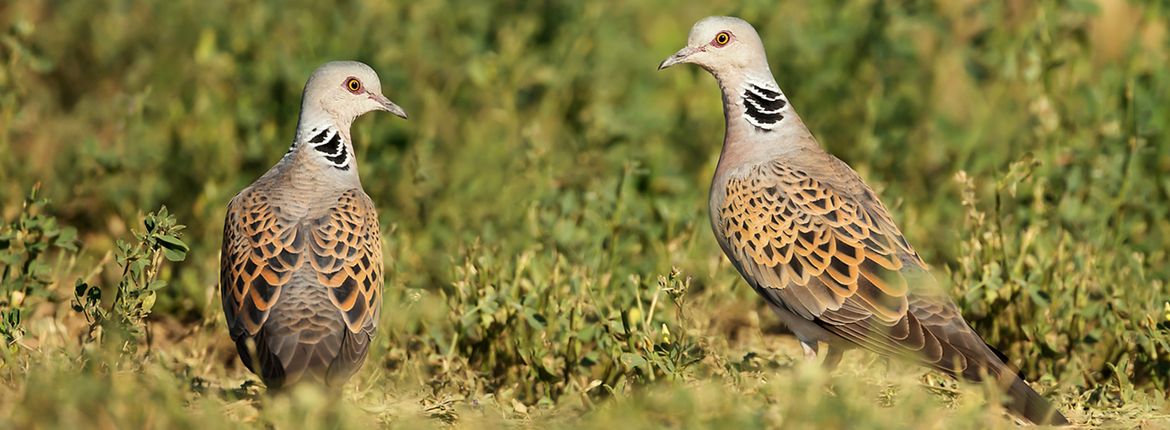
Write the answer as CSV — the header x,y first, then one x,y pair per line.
x,y
301,275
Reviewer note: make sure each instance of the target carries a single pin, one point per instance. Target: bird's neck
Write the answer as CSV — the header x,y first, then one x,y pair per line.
x,y
760,120
325,148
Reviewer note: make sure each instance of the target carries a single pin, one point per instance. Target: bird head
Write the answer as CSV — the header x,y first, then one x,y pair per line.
x,y
345,90
721,45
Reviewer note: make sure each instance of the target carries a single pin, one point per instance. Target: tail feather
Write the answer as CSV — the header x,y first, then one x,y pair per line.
x,y
284,360
1023,401
350,358
1027,403
258,357
984,361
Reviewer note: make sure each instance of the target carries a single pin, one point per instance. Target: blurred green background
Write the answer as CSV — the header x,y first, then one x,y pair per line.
x,y
549,257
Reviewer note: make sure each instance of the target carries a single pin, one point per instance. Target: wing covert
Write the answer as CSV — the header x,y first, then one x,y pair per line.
x,y
825,247
263,251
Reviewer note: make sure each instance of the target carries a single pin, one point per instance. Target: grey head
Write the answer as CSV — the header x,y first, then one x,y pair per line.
x,y
722,45
756,109
336,94
339,92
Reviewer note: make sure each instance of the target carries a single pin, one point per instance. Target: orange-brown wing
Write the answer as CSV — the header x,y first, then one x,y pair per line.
x,y
261,253
345,248
263,250
837,259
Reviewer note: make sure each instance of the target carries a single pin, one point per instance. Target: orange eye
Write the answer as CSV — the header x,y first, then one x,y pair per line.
x,y
722,38
353,85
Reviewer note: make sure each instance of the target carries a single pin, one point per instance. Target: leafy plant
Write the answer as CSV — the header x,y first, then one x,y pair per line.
x,y
658,351
137,290
537,343
1013,277
25,246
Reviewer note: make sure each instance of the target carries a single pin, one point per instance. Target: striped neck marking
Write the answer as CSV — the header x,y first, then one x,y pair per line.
x,y
763,106
328,142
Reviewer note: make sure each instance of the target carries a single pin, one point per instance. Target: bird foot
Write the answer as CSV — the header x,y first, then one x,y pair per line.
x,y
810,349
832,355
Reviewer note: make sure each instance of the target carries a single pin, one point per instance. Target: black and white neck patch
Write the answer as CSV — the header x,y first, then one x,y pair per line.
x,y
328,142
763,106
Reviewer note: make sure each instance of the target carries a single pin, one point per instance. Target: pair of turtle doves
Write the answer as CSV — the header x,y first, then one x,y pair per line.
x,y
301,270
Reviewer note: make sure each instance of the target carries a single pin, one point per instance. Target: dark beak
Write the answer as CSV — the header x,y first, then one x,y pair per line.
x,y
388,106
678,57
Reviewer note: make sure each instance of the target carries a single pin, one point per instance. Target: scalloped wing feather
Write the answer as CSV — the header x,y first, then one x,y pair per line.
x,y
836,258
262,250
793,232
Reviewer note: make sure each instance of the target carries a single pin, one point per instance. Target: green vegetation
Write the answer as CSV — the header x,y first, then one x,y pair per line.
x,y
548,252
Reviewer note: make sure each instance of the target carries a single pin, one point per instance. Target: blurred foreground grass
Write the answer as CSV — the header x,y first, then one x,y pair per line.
x,y
550,262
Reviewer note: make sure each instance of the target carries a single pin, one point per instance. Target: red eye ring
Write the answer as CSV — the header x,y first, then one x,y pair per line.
x,y
721,39
353,85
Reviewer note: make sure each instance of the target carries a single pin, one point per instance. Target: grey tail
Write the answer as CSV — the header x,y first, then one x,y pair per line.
x,y
1023,401
282,361
984,362
258,358
1029,405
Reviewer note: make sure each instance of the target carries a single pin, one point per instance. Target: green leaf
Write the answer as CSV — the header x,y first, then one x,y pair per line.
x,y
633,360
148,301
174,255
67,239
136,267
172,242
156,285
536,320
174,248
